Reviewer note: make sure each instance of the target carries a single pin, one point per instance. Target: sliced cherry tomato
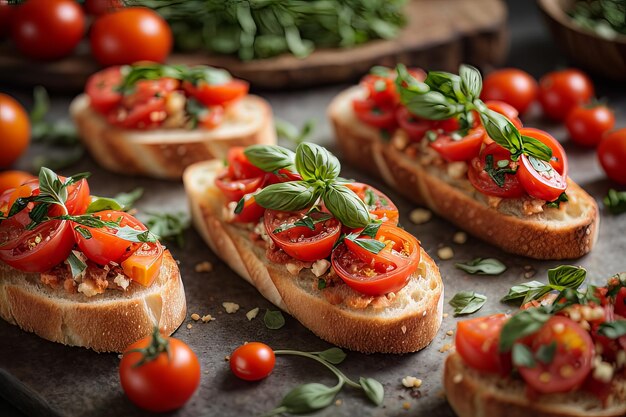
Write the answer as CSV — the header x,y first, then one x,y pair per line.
x,y
612,154
540,179
572,360
148,115
253,361
462,149
212,117
251,211
506,110
413,125
101,89
300,242
381,87
146,90
282,175
477,342
372,114
238,165
104,246
512,86
13,179
217,94
77,201
375,274
144,264
587,125
489,158
234,190
377,203
620,302
561,91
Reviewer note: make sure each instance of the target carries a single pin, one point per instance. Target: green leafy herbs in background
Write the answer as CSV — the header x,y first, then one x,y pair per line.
x,y
467,302
559,279
263,29
169,226
480,266
121,202
288,131
615,201
273,319
605,17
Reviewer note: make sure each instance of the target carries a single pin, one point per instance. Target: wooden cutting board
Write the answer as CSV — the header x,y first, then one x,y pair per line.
x,y
440,34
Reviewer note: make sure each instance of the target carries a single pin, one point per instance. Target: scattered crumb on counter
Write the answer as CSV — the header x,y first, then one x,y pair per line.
x,y
457,378
450,332
445,348
338,402
189,326
445,253
528,267
530,273
420,216
445,315
205,266
459,238
252,313
230,307
195,317
207,318
411,382
227,358
406,405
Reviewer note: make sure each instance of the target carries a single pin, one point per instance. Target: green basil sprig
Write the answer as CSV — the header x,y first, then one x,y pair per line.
x,y
559,279
480,266
121,202
522,324
615,201
467,302
270,158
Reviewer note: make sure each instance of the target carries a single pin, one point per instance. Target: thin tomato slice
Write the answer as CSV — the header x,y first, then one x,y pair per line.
x,y
477,342
217,94
101,89
374,115
483,182
235,190
144,264
251,211
414,126
377,203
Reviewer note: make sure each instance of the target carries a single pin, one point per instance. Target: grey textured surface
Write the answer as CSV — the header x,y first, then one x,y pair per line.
x,y
76,382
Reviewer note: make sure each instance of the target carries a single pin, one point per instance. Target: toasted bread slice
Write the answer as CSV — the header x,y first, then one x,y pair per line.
x,y
107,322
475,394
566,233
165,153
408,324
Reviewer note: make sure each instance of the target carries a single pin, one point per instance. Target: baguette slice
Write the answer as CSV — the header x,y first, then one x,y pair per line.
x,y
409,324
475,394
107,322
553,234
165,153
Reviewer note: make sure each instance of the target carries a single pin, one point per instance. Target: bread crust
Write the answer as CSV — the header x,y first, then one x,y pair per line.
x,y
165,153
104,325
407,331
363,147
472,394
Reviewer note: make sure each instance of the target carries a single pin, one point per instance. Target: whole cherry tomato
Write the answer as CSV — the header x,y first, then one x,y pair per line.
x,y
587,124
14,130
511,85
561,91
252,361
612,154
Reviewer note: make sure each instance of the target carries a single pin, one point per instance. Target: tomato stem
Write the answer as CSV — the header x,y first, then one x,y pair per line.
x,y
158,345
342,377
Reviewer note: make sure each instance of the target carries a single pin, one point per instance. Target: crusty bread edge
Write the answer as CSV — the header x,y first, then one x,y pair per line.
x,y
108,326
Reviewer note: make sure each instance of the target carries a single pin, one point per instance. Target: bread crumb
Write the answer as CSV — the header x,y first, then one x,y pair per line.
x,y
530,274
338,402
205,266
411,382
450,332
406,405
207,318
457,378
459,238
227,358
195,317
445,253
445,348
189,326
445,315
403,328
230,307
420,216
252,313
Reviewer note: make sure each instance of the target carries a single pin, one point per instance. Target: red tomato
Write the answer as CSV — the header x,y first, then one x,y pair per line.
x,y
541,179
212,117
561,91
506,110
129,35
587,125
100,7
146,90
14,130
13,179
217,94
252,361
382,87
484,183
239,166
612,154
370,113
104,246
413,125
251,211
77,201
512,86
101,89
376,274
235,190
146,115
164,383
477,342
462,149
47,29
144,264
377,203
620,302
571,363
300,242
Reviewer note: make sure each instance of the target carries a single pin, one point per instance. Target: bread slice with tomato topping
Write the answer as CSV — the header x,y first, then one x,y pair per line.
x,y
438,164
405,320
167,119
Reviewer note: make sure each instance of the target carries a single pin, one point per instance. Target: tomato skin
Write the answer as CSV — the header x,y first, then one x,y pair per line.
x,y
374,115
382,207
587,125
100,7
217,94
101,89
238,165
561,91
13,179
612,154
381,88
253,361
235,190
512,86
482,182
620,302
477,342
212,118
459,150
14,130
129,35
47,29
412,125
251,211
6,14
144,264
163,384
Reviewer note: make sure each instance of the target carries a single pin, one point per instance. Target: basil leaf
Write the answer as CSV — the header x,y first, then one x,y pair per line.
x,y
615,201
526,292
471,81
522,356
321,283
371,229
373,389
128,200
545,353
432,106
520,325
39,212
563,198
309,220
613,330
314,162
269,158
536,148
103,203
308,398
346,206
480,266
134,235
502,131
290,132
169,226
446,83
467,302
567,276
371,245
19,205
201,73
288,196
51,186
333,355
77,266
273,319
84,232
408,85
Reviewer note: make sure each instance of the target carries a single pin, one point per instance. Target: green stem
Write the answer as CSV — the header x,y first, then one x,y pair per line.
x,y
275,412
337,372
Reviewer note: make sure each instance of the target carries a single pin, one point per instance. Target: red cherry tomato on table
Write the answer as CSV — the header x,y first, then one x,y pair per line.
x,y
512,86
217,94
489,159
14,130
477,342
612,154
101,88
13,179
561,91
162,383
587,125
47,29
252,361
370,113
130,35
377,203
462,149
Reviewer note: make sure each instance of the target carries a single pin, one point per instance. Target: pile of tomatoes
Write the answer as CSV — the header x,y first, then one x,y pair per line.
x,y
52,29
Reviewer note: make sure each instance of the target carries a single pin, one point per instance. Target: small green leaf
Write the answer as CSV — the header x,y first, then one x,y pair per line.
x,y
536,149
103,203
77,266
520,325
615,201
314,162
128,200
169,226
545,353
309,397
273,319
471,81
288,196
371,245
373,389
526,292
613,330
270,158
321,283
480,266
371,229
567,276
346,206
522,356
333,355
467,302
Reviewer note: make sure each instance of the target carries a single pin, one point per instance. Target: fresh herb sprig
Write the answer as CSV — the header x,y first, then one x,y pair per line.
x,y
605,17
559,279
482,266
467,302
169,226
615,201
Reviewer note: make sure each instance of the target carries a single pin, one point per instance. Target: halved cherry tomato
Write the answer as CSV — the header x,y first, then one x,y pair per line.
x,y
145,90
251,211
483,182
512,86
374,115
620,302
252,361
462,149
13,179
382,88
572,360
212,117
217,94
301,242
147,115
234,190
561,91
412,125
238,165
101,89
77,201
588,124
104,246
477,342
377,203
506,110
144,264
375,274
540,179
